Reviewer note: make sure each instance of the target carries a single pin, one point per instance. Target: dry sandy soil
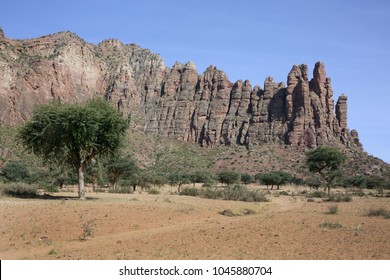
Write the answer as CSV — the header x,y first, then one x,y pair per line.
x,y
169,226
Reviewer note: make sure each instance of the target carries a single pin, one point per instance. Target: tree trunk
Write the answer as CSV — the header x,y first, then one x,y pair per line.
x,y
81,182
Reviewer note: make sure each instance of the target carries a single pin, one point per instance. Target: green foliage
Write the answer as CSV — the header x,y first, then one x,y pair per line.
x,y
374,182
277,178
325,161
313,182
179,178
236,193
15,171
204,177
120,168
190,191
247,178
51,188
354,181
228,177
73,134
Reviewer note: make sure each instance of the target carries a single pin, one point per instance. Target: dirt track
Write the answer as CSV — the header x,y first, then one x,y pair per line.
x,y
165,226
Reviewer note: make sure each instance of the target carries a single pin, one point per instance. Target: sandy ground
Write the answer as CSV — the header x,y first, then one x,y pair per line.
x,y
169,226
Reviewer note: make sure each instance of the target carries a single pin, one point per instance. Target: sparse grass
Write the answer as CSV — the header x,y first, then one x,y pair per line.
x,y
330,225
379,212
52,252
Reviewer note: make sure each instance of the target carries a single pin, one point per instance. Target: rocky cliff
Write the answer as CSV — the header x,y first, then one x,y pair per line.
x,y
175,102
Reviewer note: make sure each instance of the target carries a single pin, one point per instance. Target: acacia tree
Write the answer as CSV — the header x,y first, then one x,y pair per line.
x,y
326,162
74,134
120,167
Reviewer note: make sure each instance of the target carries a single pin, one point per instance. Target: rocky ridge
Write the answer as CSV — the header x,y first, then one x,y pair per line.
x,y
174,102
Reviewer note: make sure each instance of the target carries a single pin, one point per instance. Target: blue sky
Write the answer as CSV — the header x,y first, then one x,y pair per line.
x,y
247,39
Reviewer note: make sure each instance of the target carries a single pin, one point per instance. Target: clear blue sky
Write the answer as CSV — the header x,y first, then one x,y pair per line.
x,y
247,39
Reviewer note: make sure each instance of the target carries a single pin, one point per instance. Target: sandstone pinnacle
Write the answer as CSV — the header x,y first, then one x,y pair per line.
x,y
175,102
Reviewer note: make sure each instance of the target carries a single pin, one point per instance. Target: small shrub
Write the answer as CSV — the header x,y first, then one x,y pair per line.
x,y
333,209
153,191
190,192
316,194
20,190
310,200
51,188
284,193
338,198
212,193
88,229
378,212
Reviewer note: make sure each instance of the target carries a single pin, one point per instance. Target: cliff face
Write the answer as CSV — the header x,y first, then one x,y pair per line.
x,y
174,102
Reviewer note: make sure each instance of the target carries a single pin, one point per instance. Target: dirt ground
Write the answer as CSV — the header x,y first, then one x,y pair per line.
x,y
169,226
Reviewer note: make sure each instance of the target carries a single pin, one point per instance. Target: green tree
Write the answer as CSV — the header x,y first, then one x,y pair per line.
x,y
326,161
74,134
120,168
277,178
247,178
179,178
229,177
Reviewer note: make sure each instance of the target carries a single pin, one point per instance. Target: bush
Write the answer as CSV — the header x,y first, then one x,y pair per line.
x,y
316,194
19,190
378,212
338,198
51,188
333,209
212,193
190,191
15,171
153,191
236,193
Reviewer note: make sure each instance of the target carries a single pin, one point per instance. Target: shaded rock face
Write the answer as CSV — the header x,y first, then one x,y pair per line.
x,y
175,102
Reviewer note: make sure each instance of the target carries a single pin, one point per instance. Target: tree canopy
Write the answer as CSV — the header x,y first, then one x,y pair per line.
x,y
325,161
73,134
